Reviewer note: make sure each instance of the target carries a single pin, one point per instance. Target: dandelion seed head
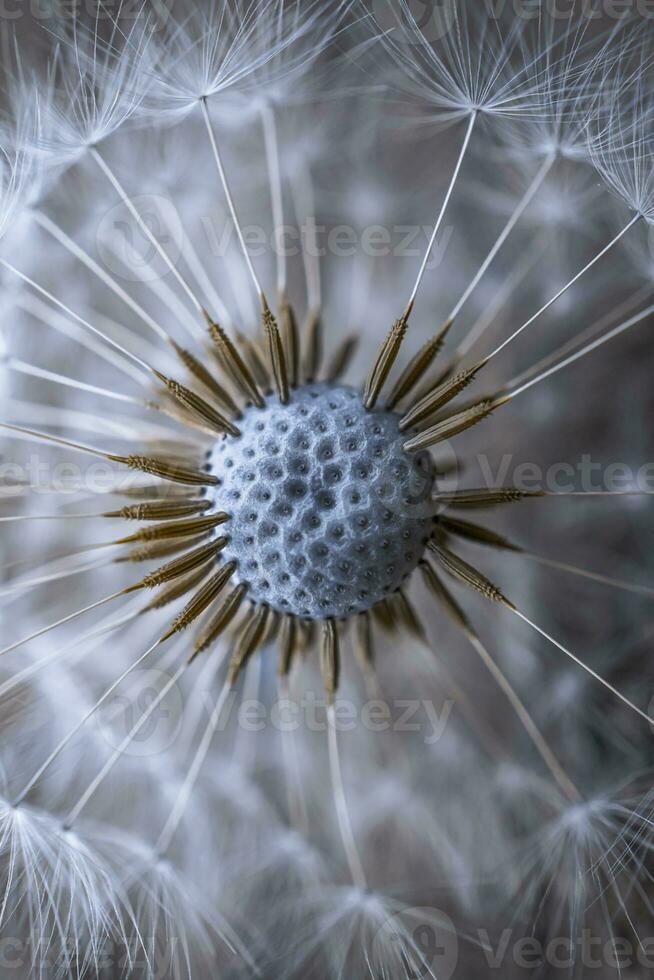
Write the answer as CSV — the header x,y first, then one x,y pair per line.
x,y
268,535
320,496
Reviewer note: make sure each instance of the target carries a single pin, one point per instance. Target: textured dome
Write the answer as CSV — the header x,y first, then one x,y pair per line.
x,y
326,520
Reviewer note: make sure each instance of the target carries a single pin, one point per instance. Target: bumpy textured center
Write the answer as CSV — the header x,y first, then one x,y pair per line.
x,y
327,513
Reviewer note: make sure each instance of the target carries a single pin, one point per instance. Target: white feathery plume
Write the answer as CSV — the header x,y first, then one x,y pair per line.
x,y
351,932
467,66
92,88
585,865
175,933
232,47
61,888
19,180
552,82
620,141
294,75
569,65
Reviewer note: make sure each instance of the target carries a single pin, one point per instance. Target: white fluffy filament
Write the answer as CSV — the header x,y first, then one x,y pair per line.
x,y
295,797
583,351
589,670
269,123
75,316
182,801
142,225
65,741
446,201
60,622
520,209
589,265
126,742
340,802
59,235
560,776
228,196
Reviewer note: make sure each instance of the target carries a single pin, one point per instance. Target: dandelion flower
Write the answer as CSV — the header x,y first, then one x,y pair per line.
x,y
298,678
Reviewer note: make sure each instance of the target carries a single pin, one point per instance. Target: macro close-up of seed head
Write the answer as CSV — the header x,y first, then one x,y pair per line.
x,y
320,497
326,476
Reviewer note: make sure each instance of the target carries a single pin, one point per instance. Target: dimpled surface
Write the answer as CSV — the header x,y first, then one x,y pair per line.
x,y
322,523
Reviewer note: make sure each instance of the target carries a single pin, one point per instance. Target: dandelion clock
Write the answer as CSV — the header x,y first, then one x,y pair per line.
x,y
325,491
